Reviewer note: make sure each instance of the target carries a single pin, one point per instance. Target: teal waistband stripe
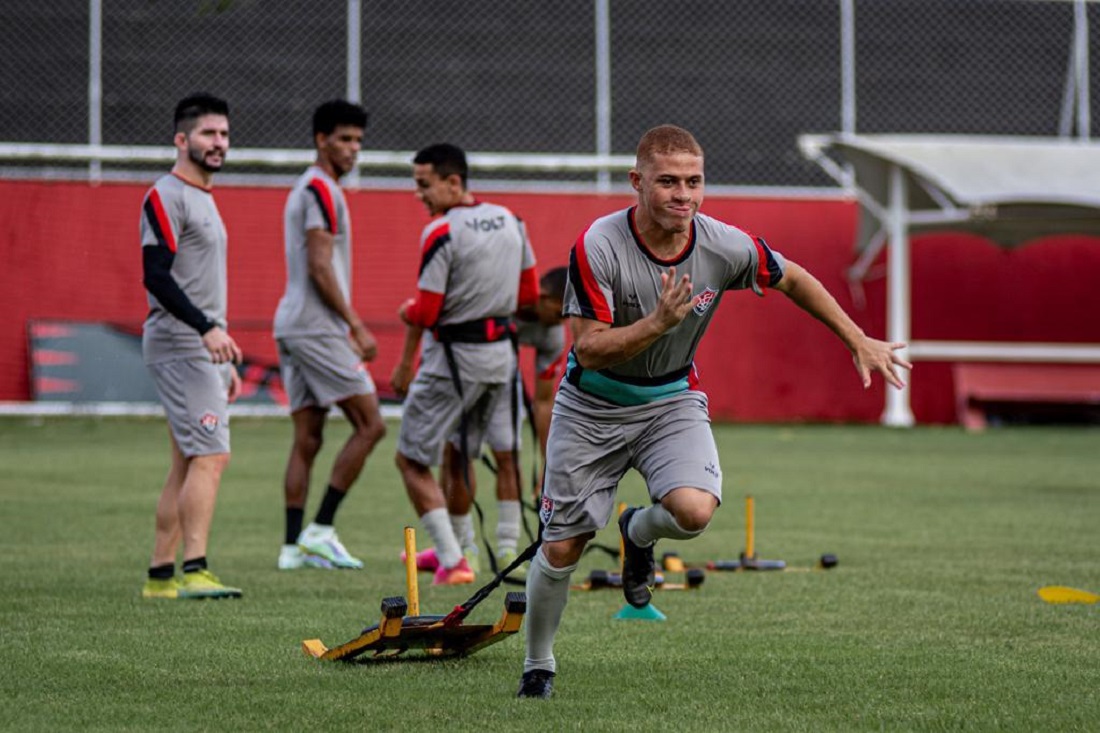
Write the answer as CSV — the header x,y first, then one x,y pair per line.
x,y
620,393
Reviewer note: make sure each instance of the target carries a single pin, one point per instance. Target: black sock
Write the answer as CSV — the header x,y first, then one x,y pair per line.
x,y
329,505
162,572
293,525
195,565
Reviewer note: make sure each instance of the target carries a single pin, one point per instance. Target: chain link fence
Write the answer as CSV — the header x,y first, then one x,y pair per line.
x,y
525,76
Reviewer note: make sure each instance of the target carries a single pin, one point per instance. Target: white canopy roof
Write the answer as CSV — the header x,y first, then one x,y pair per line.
x,y
1009,189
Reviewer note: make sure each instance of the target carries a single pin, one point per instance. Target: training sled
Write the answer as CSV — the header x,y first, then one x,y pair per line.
x,y
402,628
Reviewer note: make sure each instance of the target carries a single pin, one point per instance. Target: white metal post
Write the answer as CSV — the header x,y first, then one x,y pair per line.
x,y
848,81
603,89
1081,66
354,92
95,84
847,67
898,412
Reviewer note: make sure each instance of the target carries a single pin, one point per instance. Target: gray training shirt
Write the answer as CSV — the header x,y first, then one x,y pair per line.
x,y
315,202
614,278
184,218
474,256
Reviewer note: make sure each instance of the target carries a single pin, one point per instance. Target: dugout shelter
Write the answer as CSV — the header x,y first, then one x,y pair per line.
x,y
1009,190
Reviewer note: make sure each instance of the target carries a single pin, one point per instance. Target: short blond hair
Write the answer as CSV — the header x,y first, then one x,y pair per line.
x,y
665,139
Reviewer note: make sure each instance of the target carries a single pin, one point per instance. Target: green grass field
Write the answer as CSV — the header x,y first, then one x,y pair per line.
x,y
930,622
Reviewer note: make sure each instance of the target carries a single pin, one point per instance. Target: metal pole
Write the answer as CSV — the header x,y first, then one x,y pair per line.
x,y
1081,46
847,67
898,412
355,25
353,92
95,84
603,89
1069,91
848,82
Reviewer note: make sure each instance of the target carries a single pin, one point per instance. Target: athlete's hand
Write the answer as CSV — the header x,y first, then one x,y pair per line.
x,y
675,300
403,311
363,342
401,378
223,349
234,385
882,357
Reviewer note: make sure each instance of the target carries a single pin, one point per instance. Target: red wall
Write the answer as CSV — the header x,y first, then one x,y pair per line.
x,y
71,251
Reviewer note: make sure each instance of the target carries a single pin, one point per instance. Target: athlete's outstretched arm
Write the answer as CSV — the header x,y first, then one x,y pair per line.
x,y
598,345
868,354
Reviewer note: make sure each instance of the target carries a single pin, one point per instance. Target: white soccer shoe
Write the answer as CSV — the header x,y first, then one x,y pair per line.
x,y
291,557
321,540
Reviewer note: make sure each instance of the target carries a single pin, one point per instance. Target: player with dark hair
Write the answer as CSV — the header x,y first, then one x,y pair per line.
x,y
476,269
643,285
322,341
187,347
541,329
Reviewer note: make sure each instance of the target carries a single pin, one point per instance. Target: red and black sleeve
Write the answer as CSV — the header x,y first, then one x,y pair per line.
x,y
157,270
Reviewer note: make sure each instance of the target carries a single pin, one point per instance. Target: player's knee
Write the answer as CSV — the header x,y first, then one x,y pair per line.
x,y
213,463
694,517
372,431
565,553
308,445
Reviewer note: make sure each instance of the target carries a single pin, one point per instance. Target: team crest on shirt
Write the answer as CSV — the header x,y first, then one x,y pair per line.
x,y
208,422
705,299
546,510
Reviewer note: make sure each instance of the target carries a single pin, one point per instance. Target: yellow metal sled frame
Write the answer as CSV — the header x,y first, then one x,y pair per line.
x,y
402,628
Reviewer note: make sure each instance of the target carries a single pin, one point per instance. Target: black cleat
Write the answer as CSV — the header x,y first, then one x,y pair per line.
x,y
639,572
536,683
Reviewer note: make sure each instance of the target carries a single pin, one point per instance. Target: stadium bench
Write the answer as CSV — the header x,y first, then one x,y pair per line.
x,y
978,386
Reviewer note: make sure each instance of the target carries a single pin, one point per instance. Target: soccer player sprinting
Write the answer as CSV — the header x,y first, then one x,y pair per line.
x,y
476,269
187,347
322,341
643,285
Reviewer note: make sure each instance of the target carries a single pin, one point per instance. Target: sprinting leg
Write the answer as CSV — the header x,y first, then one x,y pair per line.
x,y
547,595
682,514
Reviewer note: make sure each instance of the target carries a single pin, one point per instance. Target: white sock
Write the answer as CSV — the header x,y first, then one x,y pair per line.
x,y
463,526
439,529
654,522
547,594
508,516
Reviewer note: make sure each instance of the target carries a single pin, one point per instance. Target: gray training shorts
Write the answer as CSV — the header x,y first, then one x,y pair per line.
x,y
433,411
195,395
501,429
320,371
592,444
